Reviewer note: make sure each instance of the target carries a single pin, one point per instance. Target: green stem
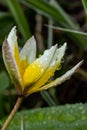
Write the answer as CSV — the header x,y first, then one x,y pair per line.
x,y
47,98
10,117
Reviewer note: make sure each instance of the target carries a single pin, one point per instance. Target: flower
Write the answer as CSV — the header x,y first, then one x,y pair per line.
x,y
28,73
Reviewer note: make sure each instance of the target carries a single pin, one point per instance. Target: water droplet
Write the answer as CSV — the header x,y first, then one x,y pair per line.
x,y
76,124
42,70
81,107
39,65
83,112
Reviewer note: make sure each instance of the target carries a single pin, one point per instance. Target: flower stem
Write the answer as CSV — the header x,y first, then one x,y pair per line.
x,y
10,117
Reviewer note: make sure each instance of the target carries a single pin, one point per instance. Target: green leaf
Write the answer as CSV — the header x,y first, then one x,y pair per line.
x,y
6,21
4,15
84,2
48,98
51,10
19,17
68,117
73,33
4,81
68,30
55,12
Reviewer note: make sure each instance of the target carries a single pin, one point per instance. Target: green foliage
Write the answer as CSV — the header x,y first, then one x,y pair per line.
x,y
84,2
4,81
19,17
5,21
68,117
55,12
48,98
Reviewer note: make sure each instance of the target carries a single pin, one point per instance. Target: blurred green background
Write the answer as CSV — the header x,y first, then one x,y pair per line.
x,y
38,18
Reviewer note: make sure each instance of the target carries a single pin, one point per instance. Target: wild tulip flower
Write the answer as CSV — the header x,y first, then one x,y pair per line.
x,y
28,73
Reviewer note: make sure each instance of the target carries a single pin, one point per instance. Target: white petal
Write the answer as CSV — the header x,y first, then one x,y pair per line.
x,y
69,73
53,65
46,58
29,50
58,56
12,39
11,66
60,52
63,78
35,70
10,50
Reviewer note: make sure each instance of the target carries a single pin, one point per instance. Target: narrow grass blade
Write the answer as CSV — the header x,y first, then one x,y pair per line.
x,y
6,21
68,30
55,12
47,98
84,2
4,15
19,17
51,10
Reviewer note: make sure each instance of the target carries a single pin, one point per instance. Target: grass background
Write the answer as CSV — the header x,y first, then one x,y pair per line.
x,y
31,18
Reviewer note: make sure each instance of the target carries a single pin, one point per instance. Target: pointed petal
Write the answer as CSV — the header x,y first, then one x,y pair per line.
x,y
47,57
29,50
11,65
37,68
63,78
12,59
12,40
60,52
53,66
56,61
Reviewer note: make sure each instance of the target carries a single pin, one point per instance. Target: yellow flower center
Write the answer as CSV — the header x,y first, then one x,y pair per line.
x,y
44,78
22,65
32,73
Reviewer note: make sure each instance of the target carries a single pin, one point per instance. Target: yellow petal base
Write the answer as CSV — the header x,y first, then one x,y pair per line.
x,y
32,73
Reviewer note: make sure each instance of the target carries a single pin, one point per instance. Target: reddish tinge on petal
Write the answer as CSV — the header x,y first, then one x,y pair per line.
x,y
10,63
